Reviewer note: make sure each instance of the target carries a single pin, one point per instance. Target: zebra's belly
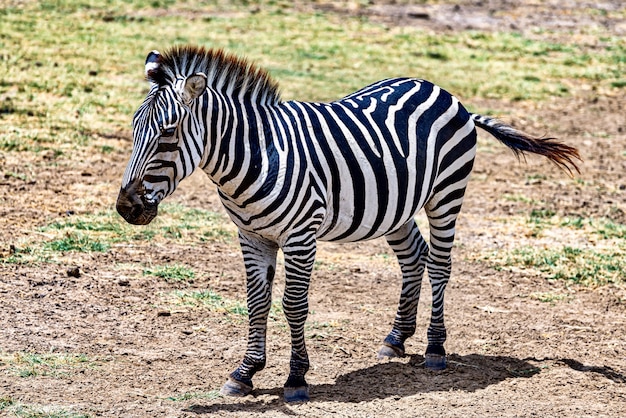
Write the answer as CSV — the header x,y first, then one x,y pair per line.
x,y
376,216
362,233
346,218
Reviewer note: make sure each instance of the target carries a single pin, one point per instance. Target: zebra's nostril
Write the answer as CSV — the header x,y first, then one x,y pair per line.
x,y
129,205
136,210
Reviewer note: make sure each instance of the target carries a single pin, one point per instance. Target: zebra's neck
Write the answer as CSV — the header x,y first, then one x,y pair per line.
x,y
244,149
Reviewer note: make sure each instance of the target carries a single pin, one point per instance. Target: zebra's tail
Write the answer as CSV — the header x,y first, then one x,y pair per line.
x,y
564,156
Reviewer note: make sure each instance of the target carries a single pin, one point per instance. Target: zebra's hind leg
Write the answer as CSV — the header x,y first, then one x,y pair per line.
x,y
411,251
260,261
442,214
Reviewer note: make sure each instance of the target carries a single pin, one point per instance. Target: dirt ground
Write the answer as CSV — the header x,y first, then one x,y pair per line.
x,y
509,354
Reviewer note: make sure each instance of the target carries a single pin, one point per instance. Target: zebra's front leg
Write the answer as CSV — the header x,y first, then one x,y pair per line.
x,y
299,254
260,261
411,250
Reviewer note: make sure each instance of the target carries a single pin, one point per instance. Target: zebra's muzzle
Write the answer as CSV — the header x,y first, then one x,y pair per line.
x,y
133,206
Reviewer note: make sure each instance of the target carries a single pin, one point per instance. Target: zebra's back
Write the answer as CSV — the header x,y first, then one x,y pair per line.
x,y
378,154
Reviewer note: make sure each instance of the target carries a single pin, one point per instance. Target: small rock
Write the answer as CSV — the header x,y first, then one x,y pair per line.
x,y
73,272
123,282
164,313
419,15
187,331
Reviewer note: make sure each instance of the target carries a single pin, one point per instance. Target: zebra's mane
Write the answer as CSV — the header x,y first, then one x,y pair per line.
x,y
225,72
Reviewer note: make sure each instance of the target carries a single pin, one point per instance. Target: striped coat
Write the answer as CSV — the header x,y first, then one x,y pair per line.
x,y
292,173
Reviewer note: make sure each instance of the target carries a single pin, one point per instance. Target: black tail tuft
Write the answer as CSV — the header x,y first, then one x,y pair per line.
x,y
564,156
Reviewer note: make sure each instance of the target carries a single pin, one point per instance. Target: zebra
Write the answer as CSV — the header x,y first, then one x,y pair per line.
x,y
290,173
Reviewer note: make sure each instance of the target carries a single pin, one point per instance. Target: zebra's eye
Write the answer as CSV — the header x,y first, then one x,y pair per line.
x,y
167,132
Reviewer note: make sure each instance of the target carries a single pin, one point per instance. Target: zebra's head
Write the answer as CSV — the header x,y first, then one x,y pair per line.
x,y
165,133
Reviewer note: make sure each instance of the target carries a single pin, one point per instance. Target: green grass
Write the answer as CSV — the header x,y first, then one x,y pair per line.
x,y
608,229
208,299
548,297
600,228
171,273
517,197
5,402
213,394
101,231
76,242
215,302
597,258
175,222
20,410
29,364
582,266
586,266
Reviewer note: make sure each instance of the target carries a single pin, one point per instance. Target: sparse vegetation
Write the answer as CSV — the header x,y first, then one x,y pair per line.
x,y
103,230
209,299
586,266
76,242
175,222
29,364
213,394
548,297
20,410
598,258
217,303
171,273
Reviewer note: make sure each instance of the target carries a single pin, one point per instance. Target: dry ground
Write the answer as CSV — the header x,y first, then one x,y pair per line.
x,y
511,354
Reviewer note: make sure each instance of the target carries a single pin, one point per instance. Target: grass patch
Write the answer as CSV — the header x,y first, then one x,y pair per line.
x,y
548,297
19,410
215,302
76,242
595,253
175,222
608,229
208,299
213,394
28,364
100,231
619,84
516,197
590,267
5,402
602,228
171,273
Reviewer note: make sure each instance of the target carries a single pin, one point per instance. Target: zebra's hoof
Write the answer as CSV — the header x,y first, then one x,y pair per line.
x,y
298,394
389,351
435,361
233,387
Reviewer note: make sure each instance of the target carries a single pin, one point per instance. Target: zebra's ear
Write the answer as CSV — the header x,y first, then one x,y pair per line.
x,y
152,64
194,87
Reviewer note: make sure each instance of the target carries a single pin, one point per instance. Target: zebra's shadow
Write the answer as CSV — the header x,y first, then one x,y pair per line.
x,y
394,380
